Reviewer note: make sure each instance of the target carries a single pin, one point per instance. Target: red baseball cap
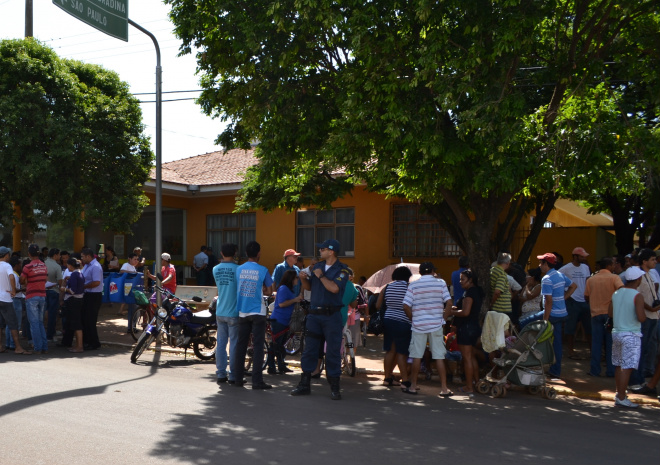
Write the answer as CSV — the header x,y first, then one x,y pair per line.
x,y
580,251
289,252
548,257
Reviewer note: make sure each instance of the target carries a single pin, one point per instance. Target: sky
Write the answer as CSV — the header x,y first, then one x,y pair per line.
x,y
186,130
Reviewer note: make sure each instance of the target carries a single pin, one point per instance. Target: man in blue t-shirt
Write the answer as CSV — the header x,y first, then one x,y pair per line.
x,y
252,281
226,313
555,288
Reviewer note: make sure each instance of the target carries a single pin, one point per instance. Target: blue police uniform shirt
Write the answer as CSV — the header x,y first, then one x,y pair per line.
x,y
279,270
250,279
321,297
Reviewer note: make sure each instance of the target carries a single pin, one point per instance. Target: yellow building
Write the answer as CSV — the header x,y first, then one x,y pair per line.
x,y
374,231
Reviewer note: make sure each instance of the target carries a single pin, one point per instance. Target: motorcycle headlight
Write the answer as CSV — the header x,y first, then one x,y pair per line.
x,y
162,313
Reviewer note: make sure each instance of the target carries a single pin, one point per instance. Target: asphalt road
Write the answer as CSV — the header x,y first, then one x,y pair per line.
x,y
99,408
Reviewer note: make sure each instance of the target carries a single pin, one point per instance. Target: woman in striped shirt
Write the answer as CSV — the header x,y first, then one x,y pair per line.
x,y
396,325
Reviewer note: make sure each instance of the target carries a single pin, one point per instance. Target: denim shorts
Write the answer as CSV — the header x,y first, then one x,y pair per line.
x,y
467,335
397,333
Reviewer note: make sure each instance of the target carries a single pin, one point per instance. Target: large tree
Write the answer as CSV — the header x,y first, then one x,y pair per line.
x,y
452,103
71,140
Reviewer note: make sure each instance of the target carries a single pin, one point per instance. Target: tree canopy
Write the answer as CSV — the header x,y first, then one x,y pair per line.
x,y
458,104
71,140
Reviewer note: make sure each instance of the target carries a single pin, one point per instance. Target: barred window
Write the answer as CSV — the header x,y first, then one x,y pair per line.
x,y
417,234
316,226
234,228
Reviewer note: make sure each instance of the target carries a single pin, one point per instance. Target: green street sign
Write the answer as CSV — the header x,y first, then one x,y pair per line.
x,y
108,16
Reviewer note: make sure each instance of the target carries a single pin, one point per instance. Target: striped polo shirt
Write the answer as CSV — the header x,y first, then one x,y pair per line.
x,y
554,284
499,281
36,274
427,297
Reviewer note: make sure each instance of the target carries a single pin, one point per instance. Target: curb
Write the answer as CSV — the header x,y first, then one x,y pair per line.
x,y
587,395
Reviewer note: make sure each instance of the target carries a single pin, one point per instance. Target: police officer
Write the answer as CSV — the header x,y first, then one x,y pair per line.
x,y
327,282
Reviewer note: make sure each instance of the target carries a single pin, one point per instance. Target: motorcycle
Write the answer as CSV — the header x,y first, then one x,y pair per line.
x,y
175,324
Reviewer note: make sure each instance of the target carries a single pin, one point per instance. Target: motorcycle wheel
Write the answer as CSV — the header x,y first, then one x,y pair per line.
x,y
139,322
205,343
144,341
294,344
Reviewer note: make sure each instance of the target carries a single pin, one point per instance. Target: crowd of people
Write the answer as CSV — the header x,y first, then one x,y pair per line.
x,y
241,314
617,307
51,284
425,321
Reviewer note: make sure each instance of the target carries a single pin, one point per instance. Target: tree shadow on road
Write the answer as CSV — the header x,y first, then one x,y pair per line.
x,y
376,424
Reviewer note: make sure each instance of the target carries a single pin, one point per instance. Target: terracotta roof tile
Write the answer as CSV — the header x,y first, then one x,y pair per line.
x,y
208,169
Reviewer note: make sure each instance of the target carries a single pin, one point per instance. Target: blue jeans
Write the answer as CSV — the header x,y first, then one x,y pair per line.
x,y
227,331
52,305
600,335
557,330
36,307
18,308
649,349
317,327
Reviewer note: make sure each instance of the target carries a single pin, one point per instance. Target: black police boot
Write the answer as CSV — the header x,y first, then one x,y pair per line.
x,y
303,388
335,393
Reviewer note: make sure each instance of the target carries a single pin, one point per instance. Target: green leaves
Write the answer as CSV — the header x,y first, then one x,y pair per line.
x,y
71,140
466,103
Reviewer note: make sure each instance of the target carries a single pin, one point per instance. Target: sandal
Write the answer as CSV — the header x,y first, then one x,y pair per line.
x,y
389,382
25,352
446,394
464,390
409,390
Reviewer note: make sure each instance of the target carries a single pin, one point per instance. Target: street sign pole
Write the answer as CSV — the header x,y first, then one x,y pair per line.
x,y
159,133
111,17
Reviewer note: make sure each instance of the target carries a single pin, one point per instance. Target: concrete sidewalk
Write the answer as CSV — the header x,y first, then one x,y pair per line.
x,y
575,381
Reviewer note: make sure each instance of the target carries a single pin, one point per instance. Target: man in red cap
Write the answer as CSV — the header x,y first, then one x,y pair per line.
x,y
289,263
555,288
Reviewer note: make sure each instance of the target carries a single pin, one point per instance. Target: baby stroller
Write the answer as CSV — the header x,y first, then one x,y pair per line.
x,y
523,364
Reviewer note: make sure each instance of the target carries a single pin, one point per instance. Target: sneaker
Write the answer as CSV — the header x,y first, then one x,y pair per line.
x,y
645,389
634,387
624,403
262,385
221,380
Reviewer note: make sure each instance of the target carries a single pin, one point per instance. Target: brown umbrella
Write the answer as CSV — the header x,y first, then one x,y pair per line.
x,y
382,277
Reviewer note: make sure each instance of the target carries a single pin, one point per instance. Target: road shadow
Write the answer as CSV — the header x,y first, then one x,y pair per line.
x,y
377,424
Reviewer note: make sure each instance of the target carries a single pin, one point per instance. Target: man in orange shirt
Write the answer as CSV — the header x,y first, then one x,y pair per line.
x,y
598,293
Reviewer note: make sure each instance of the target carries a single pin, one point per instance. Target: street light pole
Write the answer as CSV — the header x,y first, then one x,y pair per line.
x,y
29,15
159,181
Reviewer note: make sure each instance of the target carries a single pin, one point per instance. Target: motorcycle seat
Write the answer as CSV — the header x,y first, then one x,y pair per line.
x,y
203,318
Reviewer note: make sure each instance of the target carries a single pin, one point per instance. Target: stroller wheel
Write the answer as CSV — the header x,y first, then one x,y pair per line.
x,y
550,393
533,390
497,391
483,387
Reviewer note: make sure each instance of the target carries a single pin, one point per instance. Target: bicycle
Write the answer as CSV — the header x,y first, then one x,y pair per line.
x,y
143,314
348,353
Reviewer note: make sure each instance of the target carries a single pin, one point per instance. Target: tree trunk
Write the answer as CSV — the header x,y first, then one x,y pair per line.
x,y
543,209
